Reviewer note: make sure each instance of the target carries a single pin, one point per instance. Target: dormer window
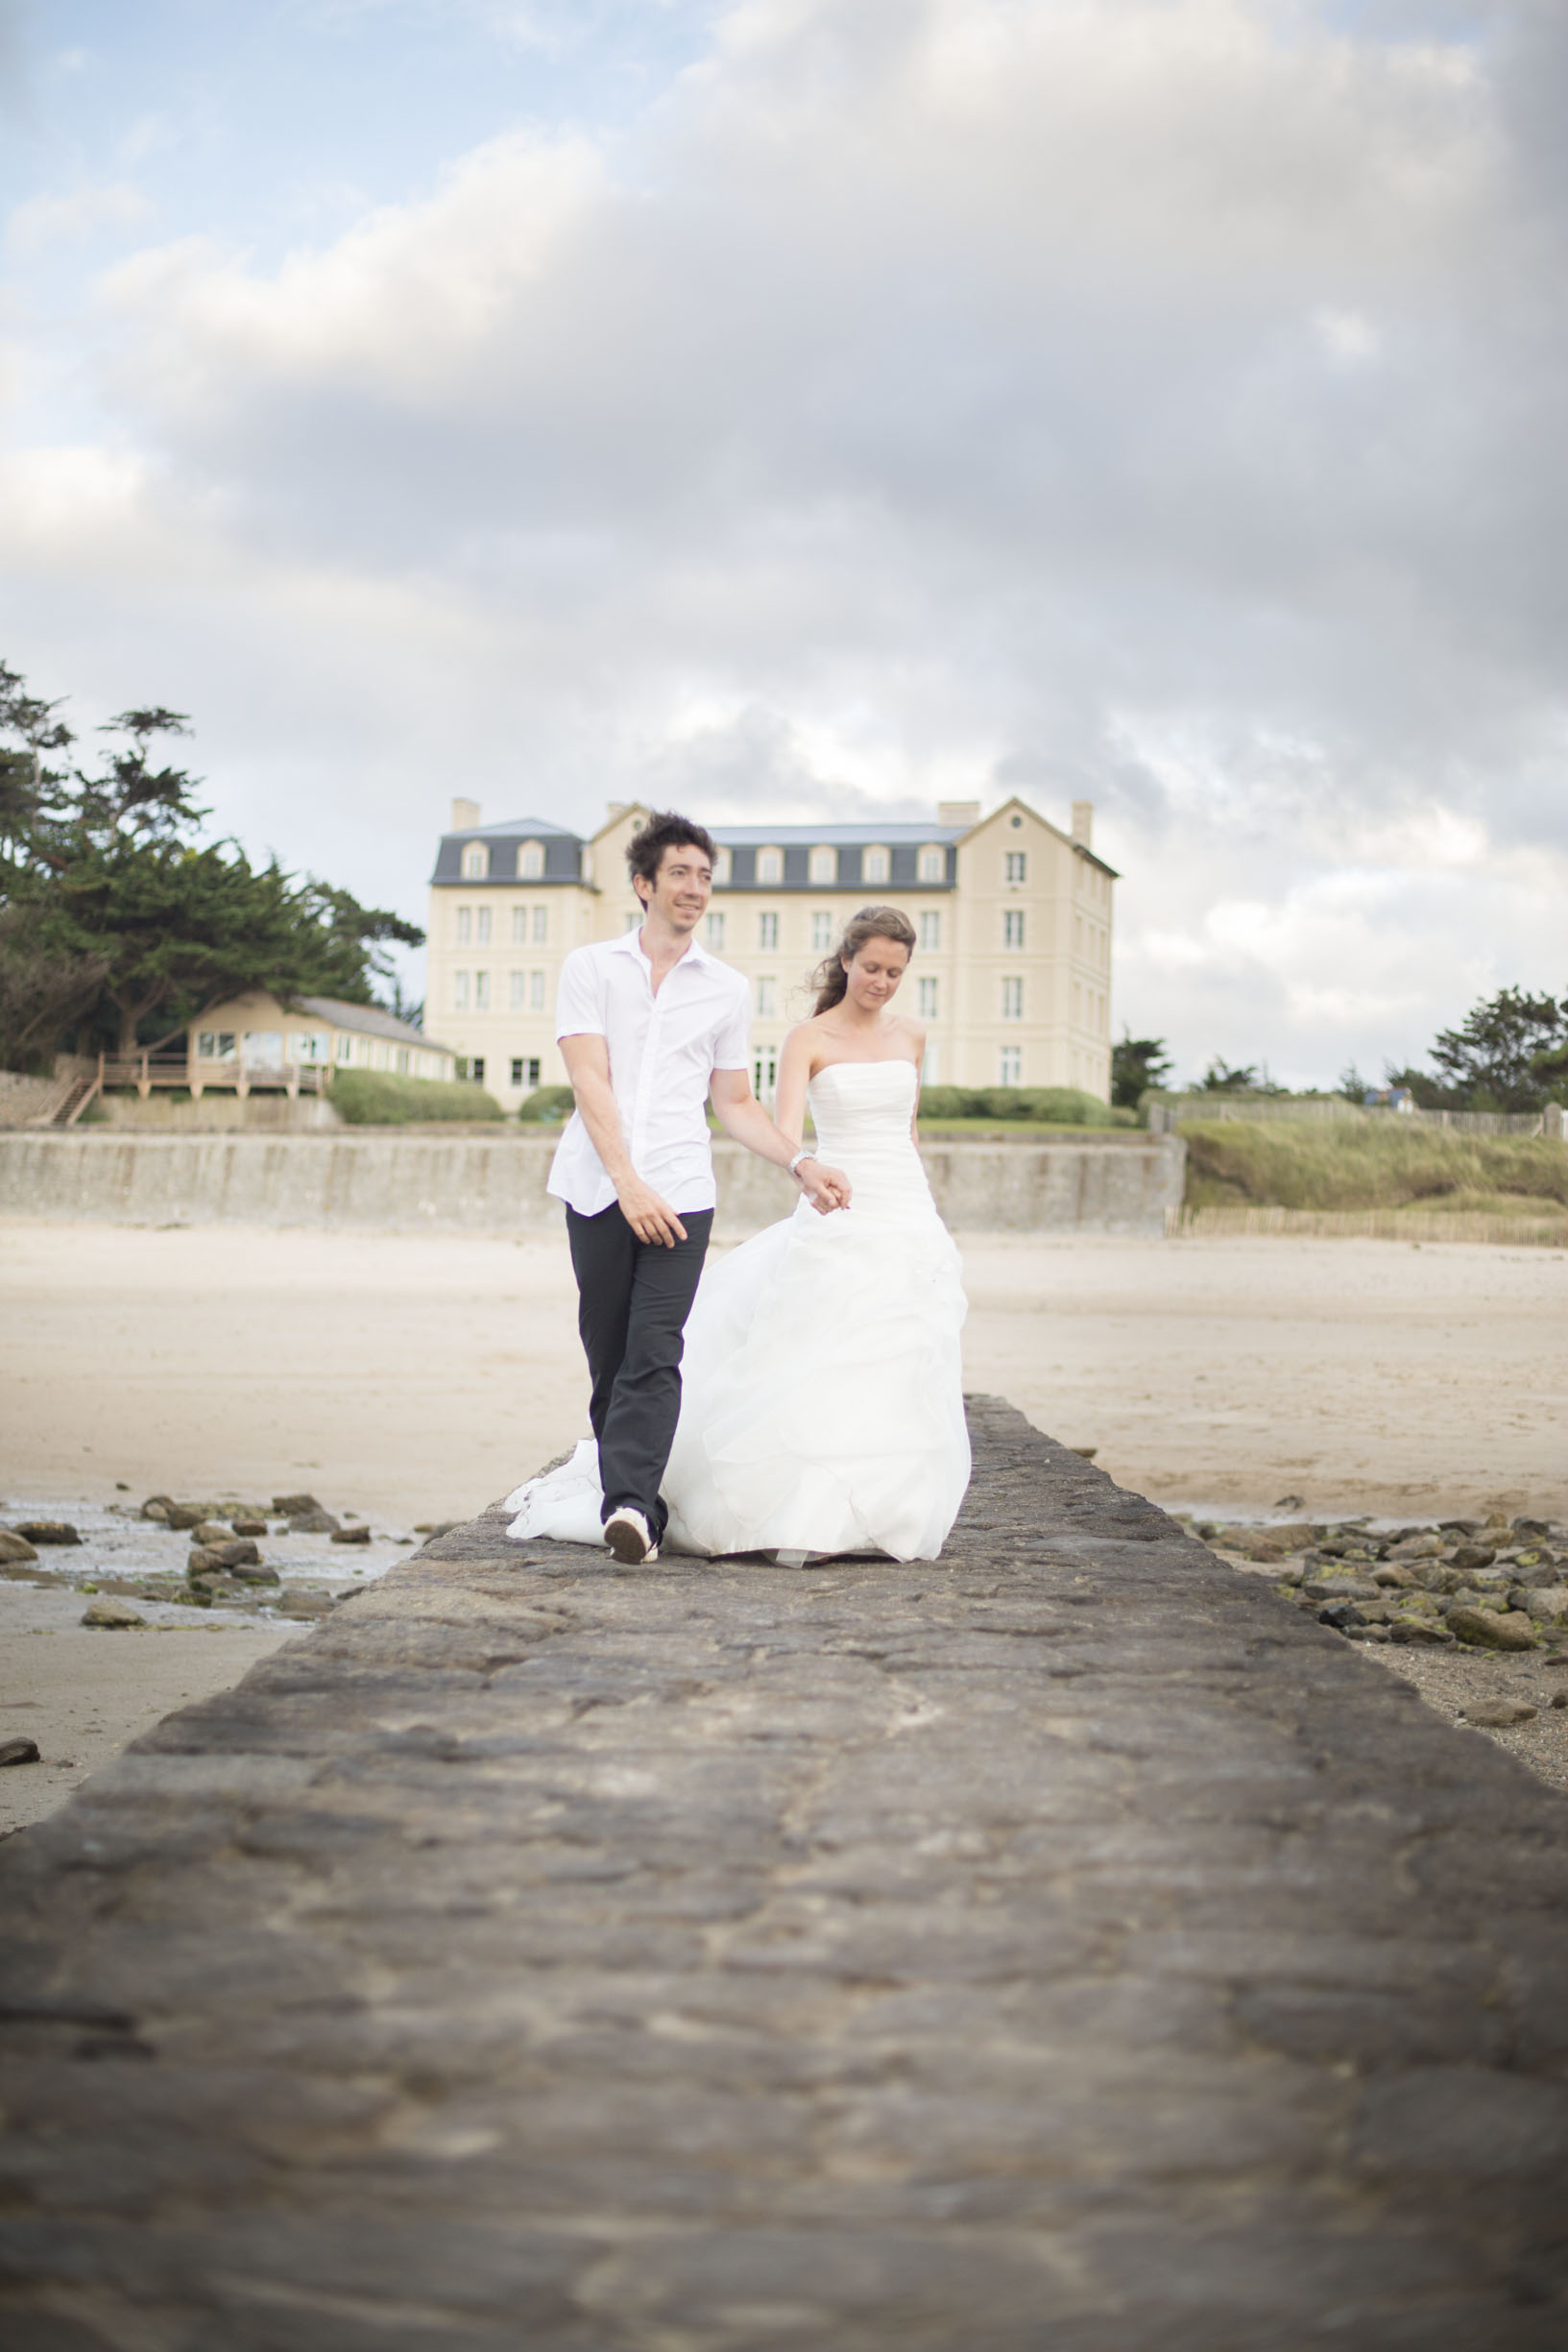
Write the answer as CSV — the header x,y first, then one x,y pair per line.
x,y
476,862
824,864
531,861
932,863
722,865
770,866
876,864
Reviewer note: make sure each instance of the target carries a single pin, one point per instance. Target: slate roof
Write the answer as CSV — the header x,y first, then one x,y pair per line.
x,y
366,1020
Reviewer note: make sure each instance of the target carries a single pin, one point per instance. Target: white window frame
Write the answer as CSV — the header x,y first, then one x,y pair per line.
x,y
519,926
1012,997
536,991
542,927
475,861
822,865
764,1073
823,928
460,992
931,865
481,927
1010,1064
927,996
515,986
531,861
766,997
463,930
768,932
1012,929
770,864
481,992
877,863
713,930
1016,865
930,931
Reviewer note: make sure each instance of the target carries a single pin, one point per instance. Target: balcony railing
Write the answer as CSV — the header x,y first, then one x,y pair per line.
x,y
229,1073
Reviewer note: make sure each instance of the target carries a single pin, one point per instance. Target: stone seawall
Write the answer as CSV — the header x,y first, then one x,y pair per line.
x,y
496,1183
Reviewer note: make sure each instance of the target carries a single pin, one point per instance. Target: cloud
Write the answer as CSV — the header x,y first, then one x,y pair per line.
x,y
45,221
1151,400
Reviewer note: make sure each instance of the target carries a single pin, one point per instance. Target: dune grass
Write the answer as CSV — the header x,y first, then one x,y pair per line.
x,y
1345,1164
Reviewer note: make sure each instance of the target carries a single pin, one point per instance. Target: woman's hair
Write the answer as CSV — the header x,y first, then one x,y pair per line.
x,y
831,979
664,830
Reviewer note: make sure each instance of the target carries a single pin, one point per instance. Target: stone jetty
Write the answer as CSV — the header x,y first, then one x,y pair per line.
x,y
1072,1947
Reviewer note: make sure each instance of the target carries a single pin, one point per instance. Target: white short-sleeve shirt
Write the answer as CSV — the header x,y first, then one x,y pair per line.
x,y
663,1049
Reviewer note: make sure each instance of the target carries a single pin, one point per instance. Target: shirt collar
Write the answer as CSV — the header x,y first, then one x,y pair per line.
x,y
627,943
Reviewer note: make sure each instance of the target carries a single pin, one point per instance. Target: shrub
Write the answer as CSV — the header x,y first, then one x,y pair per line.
x,y
1051,1105
375,1098
547,1106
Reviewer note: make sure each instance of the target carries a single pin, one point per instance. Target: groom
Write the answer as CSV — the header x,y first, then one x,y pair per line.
x,y
651,1026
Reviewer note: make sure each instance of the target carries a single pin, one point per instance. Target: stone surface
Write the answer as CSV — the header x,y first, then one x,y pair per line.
x,y
46,1531
1068,1945
18,1752
1498,1714
351,1535
16,1549
1494,1629
110,1616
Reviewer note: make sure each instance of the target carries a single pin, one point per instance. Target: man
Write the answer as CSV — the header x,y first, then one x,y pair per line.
x,y
651,1027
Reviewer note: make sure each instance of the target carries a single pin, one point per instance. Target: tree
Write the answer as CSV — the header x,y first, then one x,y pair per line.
x,y
1494,1060
1137,1064
104,879
1220,1078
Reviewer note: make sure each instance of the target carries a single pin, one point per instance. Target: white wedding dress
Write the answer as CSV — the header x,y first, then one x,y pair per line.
x,y
822,1405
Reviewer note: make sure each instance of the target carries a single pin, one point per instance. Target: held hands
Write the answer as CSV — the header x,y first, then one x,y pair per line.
x,y
826,1188
650,1217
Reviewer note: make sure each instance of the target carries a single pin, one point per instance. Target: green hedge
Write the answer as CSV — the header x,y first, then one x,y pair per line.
x,y
547,1106
371,1098
1053,1106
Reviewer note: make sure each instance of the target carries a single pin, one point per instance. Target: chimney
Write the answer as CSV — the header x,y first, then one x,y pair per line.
x,y
1083,822
465,815
957,811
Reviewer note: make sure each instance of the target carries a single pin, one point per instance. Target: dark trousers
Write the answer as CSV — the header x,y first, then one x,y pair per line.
x,y
632,1299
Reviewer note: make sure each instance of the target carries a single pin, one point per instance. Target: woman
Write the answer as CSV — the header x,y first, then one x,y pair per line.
x,y
822,1407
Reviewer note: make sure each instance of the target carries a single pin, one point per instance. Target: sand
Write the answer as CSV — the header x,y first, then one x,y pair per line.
x,y
421,1376
418,1377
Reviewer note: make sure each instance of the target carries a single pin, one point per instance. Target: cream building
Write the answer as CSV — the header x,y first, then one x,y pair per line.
x,y
1011,978
256,1040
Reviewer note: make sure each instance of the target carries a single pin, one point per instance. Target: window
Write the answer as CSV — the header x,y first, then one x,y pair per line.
x,y
536,991
1012,927
876,864
264,1049
531,861
823,864
402,1060
822,930
1012,1000
766,994
1017,863
926,996
713,932
476,1069
542,925
218,1045
525,1071
930,929
465,926
1010,1066
513,992
768,932
764,1073
476,862
770,866
930,1068
481,992
309,1046
519,926
460,992
931,865
346,1049
722,865
481,928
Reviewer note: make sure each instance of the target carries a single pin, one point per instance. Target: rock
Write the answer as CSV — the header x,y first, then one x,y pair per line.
x,y
1424,1547
13,1547
1458,1529
294,1505
1291,1502
1422,1631
1341,1615
1340,1588
1367,1633
1488,1629
316,1522
1559,1698
182,1516
108,1615
1468,1556
25,1751
253,1571
249,1527
351,1535
157,1507
1497,1714
443,1527
1539,1529
46,1531
1392,1579
323,1604
212,1530
1547,1604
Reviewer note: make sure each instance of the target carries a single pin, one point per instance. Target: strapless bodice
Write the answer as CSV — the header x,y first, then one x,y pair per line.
x,y
862,1112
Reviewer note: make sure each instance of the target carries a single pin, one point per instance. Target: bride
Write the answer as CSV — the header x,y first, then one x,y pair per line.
x,y
822,1407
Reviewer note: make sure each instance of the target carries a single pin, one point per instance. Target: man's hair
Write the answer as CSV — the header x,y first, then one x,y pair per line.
x,y
663,830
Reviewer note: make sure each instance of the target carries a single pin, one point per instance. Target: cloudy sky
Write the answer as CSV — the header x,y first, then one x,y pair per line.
x,y
797,407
